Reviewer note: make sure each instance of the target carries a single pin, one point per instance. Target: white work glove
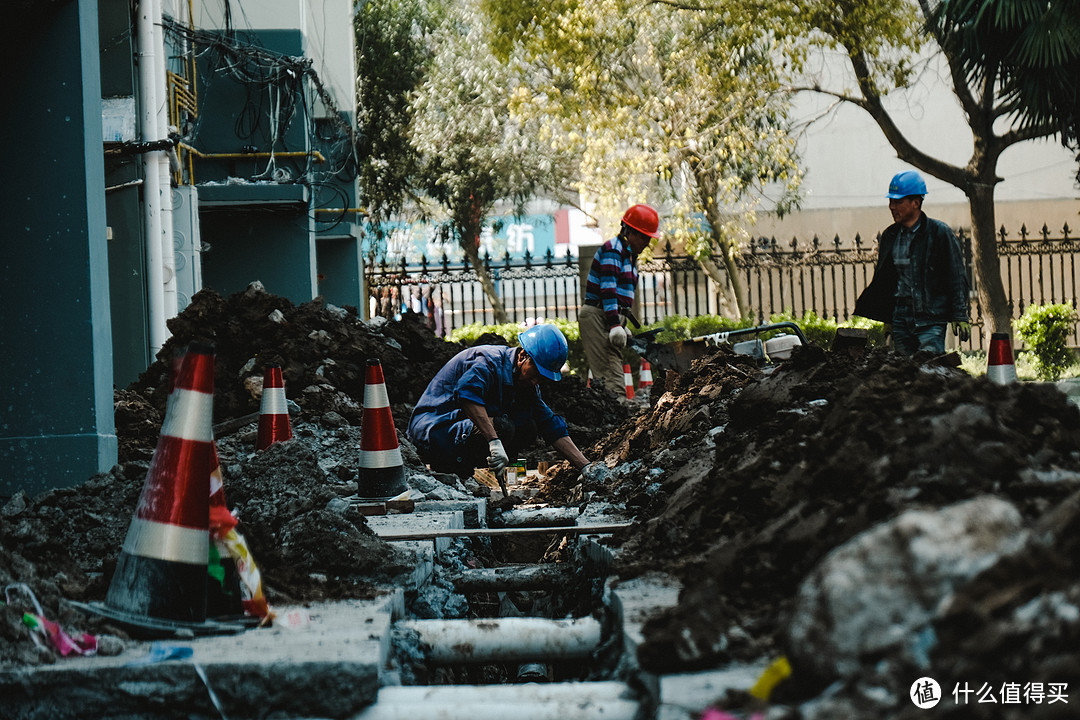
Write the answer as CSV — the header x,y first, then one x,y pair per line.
x,y
617,336
596,472
497,459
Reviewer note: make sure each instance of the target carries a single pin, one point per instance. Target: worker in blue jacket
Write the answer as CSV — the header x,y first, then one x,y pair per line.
x,y
920,282
485,405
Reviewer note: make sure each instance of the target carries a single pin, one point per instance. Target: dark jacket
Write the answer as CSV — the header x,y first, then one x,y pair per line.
x,y
939,277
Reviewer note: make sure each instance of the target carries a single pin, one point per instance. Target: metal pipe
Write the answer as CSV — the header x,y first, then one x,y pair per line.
x,y
161,113
318,156
514,639
512,577
390,535
529,701
148,100
537,517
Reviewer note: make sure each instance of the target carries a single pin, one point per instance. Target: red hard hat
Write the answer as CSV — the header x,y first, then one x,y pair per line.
x,y
643,219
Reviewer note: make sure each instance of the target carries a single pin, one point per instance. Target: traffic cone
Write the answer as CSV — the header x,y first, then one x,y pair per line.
x,y
645,378
159,584
1000,368
588,380
273,411
628,381
382,472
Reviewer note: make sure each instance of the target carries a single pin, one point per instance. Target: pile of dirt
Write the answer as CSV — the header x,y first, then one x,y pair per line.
x,y
743,482
309,542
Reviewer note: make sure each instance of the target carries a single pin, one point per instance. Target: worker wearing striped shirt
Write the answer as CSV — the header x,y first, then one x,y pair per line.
x,y
611,285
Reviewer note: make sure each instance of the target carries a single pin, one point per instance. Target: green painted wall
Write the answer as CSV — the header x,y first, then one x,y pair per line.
x,y
56,378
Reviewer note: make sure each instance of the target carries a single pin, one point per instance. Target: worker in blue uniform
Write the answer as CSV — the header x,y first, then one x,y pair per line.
x,y
485,405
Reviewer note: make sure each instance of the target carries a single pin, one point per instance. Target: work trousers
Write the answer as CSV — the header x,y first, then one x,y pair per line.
x,y
473,452
911,336
605,360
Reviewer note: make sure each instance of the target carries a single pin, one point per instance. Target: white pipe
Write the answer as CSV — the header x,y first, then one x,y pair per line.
x,y
168,242
581,709
527,701
513,639
148,100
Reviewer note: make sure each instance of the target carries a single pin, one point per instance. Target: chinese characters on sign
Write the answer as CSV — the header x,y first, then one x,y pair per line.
x,y
925,693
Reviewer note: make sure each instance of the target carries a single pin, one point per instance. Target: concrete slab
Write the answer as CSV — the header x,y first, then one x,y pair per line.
x,y
318,661
419,522
683,696
473,512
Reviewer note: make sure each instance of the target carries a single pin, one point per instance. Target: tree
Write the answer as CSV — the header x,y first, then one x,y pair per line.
x,y
1034,46
677,106
476,150
392,57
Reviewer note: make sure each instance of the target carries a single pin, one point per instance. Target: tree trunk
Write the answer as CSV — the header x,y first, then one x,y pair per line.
x,y
472,251
984,251
720,277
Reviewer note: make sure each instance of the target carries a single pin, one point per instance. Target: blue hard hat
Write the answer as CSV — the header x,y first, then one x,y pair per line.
x,y
546,345
906,183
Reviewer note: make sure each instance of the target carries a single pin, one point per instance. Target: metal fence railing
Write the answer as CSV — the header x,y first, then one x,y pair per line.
x,y
795,277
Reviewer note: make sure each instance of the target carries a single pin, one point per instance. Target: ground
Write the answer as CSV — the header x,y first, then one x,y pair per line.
x,y
742,481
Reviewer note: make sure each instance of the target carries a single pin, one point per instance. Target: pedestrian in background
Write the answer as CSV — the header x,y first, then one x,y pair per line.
x,y
612,282
920,281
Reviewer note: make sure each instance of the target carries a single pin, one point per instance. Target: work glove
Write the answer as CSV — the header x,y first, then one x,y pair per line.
x,y
962,331
617,336
497,457
596,473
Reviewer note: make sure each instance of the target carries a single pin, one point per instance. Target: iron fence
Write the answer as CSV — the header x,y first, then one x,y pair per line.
x,y
779,277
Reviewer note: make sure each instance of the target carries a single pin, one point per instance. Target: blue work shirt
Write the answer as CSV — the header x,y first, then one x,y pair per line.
x,y
483,375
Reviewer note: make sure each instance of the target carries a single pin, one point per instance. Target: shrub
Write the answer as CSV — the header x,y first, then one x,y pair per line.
x,y
1045,330
575,356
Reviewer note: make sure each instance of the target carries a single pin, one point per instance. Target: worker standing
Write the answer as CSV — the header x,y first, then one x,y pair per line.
x,y
610,288
485,405
920,282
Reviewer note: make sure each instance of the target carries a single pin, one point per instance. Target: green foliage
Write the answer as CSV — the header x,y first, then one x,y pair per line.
x,y
1045,329
575,356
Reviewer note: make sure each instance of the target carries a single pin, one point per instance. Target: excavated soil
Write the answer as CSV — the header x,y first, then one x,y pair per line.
x,y
741,482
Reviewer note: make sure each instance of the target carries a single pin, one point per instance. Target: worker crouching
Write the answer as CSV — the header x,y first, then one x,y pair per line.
x,y
485,405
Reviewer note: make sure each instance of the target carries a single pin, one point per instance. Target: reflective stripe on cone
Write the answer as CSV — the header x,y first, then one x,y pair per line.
x,y
1000,367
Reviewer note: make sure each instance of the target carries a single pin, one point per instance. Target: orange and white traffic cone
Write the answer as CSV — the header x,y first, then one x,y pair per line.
x,y
160,578
382,471
1000,367
628,381
273,411
588,380
645,378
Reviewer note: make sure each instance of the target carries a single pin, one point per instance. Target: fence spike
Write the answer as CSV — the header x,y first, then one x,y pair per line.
x,y
774,245
506,260
1023,233
1045,232
423,264
1065,231
794,243
816,242
445,263
528,260
569,259
836,241
858,241
548,258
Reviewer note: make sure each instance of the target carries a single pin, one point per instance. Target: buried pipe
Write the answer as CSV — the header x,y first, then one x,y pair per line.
x,y
512,639
537,517
512,577
559,701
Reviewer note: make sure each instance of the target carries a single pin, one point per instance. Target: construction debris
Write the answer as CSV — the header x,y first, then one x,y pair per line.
x,y
872,518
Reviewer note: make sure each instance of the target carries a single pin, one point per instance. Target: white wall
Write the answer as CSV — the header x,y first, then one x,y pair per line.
x,y
848,162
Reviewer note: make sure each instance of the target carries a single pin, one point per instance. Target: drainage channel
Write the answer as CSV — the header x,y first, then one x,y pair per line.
x,y
536,641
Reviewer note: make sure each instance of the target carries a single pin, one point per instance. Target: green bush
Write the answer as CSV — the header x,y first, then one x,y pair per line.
x,y
1045,330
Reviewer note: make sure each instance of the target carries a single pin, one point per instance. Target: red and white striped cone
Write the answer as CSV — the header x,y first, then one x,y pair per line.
x,y
382,471
273,411
628,381
160,579
645,378
588,380
1000,367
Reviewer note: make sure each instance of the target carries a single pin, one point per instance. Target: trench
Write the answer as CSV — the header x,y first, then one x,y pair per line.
x,y
523,632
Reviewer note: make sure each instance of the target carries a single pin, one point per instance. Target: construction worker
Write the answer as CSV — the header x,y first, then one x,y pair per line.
x,y
920,281
485,405
610,290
